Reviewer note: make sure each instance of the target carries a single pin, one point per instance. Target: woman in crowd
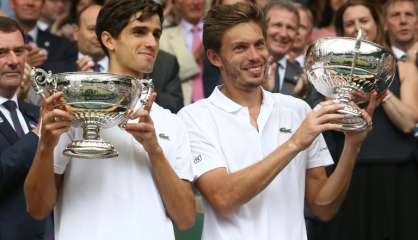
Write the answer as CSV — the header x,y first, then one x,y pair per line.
x,y
382,201
324,15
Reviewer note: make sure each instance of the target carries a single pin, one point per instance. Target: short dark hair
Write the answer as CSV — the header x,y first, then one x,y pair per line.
x,y
284,4
339,22
223,17
116,14
8,25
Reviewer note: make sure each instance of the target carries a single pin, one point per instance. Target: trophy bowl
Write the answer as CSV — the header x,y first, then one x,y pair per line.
x,y
97,100
340,67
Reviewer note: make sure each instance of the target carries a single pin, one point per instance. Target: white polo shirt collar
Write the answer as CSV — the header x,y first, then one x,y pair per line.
x,y
228,105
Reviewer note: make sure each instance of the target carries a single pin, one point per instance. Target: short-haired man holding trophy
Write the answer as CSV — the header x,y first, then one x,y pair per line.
x,y
258,156
140,193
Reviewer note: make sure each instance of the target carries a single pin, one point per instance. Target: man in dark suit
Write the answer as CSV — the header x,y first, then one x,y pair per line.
x,y
166,81
60,53
282,25
18,139
46,50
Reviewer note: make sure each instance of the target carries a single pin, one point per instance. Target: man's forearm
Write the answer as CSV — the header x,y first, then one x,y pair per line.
x,y
232,190
176,194
40,187
333,191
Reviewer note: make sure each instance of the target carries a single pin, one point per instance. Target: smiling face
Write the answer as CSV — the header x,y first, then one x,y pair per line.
x,y
12,62
359,15
27,11
86,37
243,56
282,27
134,51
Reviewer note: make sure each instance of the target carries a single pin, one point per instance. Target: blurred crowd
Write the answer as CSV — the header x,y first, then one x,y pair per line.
x,y
382,202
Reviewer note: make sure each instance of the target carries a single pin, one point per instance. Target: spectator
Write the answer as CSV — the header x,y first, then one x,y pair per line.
x,y
299,46
46,50
401,23
282,25
91,56
381,201
18,138
257,153
59,54
54,17
327,26
185,42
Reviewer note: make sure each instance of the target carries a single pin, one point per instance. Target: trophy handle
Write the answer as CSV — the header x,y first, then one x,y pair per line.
x,y
147,87
40,79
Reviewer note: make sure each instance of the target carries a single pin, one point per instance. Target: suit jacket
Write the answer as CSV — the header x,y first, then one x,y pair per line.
x,y
174,42
62,54
211,77
16,155
165,77
292,73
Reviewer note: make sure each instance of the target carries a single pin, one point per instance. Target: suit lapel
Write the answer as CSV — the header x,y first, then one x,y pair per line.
x,y
7,130
42,40
30,114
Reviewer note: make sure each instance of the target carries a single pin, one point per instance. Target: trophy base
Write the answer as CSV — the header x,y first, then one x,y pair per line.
x,y
353,121
90,149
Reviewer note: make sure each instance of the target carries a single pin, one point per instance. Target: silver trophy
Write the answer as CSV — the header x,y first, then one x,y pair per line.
x,y
340,67
98,100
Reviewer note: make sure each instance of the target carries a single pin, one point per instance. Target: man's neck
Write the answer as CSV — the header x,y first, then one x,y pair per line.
x,y
116,69
403,46
6,93
250,98
27,26
46,20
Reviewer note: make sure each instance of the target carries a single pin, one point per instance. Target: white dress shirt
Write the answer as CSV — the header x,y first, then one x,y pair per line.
x,y
104,62
187,31
8,116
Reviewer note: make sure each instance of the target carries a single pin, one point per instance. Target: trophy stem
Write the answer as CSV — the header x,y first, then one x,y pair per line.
x,y
91,132
92,146
353,121
344,94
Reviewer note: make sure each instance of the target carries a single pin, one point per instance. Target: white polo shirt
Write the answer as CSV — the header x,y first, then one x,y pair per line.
x,y
117,198
221,135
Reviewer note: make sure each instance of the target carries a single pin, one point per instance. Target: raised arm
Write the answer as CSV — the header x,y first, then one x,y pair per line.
x,y
41,184
324,194
403,111
176,193
227,191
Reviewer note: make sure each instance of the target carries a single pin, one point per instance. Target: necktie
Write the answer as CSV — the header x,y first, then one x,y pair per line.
x,y
96,67
28,38
197,81
11,106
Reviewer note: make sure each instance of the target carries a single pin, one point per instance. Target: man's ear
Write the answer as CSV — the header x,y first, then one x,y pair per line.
x,y
76,32
214,58
108,41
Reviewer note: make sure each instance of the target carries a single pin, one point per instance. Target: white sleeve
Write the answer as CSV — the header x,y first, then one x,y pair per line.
x,y
61,160
318,153
182,164
205,151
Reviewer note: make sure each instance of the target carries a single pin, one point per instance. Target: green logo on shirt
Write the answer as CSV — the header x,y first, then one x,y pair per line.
x,y
285,130
164,136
